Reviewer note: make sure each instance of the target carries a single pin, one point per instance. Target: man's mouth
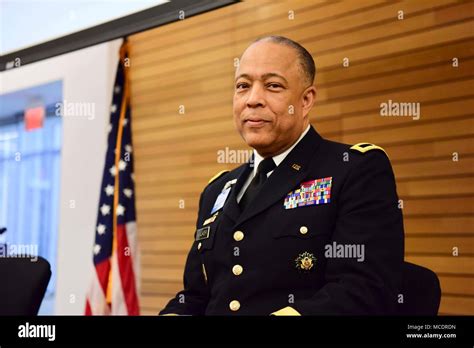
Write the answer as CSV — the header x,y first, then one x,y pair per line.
x,y
255,122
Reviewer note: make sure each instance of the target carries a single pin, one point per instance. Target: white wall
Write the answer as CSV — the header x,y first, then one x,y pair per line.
x,y
88,76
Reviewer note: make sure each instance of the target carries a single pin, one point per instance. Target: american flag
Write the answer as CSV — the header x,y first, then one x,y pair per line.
x,y
114,287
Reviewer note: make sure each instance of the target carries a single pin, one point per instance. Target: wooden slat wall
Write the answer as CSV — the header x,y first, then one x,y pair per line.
x,y
190,63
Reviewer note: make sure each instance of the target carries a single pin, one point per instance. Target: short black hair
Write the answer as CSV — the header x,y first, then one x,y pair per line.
x,y
305,59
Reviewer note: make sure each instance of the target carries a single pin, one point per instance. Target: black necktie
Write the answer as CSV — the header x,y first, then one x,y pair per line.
x,y
266,166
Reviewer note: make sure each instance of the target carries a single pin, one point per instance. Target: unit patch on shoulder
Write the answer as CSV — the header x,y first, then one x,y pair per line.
x,y
218,175
365,147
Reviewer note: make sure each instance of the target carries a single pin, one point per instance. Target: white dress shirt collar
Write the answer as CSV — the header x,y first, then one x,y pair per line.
x,y
278,158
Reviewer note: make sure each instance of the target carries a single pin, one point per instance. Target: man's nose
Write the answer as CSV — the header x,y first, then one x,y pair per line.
x,y
256,97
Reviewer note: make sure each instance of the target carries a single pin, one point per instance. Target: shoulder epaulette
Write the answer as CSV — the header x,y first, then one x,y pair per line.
x,y
218,175
365,147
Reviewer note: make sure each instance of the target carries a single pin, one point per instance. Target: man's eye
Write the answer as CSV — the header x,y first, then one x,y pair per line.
x,y
274,85
241,85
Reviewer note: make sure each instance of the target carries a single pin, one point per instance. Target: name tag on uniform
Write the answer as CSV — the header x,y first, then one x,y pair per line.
x,y
221,200
203,233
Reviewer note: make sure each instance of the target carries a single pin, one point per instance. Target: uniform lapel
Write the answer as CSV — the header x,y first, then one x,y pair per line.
x,y
289,174
231,208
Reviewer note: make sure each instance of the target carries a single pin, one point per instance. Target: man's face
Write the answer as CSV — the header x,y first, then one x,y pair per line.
x,y
271,98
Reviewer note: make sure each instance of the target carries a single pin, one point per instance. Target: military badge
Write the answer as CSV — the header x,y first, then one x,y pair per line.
x,y
219,203
211,219
311,192
229,183
305,262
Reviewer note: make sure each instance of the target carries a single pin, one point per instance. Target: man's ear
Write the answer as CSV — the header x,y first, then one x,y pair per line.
x,y
309,97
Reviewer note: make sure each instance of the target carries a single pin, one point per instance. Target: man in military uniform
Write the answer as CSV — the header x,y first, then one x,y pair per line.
x,y
308,226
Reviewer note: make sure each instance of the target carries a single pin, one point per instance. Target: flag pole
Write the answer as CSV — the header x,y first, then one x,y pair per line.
x,y
118,146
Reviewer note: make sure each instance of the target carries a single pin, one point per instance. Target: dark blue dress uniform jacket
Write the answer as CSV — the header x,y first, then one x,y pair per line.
x,y
255,271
